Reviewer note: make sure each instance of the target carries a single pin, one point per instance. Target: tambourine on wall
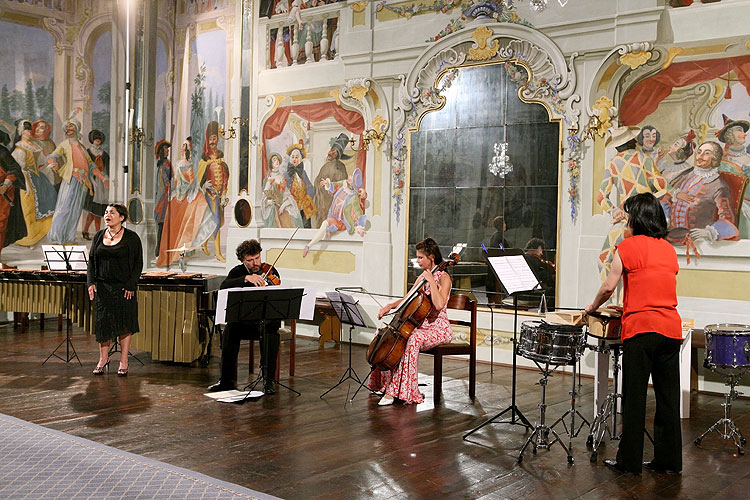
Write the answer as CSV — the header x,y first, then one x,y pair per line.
x,y
243,212
135,210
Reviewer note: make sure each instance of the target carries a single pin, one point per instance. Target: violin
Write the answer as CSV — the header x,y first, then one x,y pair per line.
x,y
269,274
388,346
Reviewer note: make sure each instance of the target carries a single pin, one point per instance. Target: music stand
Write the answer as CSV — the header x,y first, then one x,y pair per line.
x,y
262,304
66,258
348,313
515,276
116,348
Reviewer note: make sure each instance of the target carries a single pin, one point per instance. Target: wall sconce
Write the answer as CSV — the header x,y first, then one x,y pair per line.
x,y
231,133
139,136
592,128
368,136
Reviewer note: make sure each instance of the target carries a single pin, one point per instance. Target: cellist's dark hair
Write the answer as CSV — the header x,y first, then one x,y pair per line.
x,y
646,215
430,247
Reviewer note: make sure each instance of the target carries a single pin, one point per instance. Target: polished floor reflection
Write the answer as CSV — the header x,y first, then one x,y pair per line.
x,y
308,448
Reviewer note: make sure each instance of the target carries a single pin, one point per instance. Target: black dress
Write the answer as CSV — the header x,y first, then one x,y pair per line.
x,y
114,269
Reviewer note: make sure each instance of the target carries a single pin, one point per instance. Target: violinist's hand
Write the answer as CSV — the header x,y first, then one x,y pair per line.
x,y
92,291
255,279
383,311
128,294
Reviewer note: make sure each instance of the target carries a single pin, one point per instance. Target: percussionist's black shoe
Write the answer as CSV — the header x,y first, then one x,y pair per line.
x,y
220,386
652,466
614,464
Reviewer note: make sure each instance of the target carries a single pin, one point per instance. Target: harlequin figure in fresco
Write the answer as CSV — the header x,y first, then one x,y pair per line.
x,y
38,200
347,210
12,180
278,208
40,131
333,169
186,209
95,204
647,140
299,185
702,207
630,172
737,160
162,187
674,162
72,162
213,173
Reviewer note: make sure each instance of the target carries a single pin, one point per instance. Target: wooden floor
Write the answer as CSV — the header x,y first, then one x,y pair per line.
x,y
309,448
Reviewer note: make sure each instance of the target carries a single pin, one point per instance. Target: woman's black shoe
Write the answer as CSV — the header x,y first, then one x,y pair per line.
x,y
654,467
218,387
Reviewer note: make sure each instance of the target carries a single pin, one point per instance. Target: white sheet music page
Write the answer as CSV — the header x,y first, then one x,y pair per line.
x,y
514,273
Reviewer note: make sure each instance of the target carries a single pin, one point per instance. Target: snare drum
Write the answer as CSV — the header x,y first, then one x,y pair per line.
x,y
727,345
552,344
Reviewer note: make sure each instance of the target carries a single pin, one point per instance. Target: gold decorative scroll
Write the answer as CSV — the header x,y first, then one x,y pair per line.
x,y
635,59
481,50
358,6
672,52
718,91
359,92
603,106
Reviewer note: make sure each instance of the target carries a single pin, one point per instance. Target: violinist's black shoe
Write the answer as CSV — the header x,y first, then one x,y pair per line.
x,y
268,387
220,386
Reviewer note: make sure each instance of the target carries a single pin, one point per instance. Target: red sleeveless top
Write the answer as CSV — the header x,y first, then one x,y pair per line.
x,y
650,285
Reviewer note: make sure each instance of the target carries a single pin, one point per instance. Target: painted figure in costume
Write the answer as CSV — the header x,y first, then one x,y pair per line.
x,y
675,161
278,208
213,173
737,160
648,138
162,187
703,209
40,131
72,162
38,200
94,205
333,169
12,180
629,172
347,211
299,185
187,205
402,382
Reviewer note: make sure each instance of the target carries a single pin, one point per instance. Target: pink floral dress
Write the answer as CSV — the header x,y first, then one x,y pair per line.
x,y
401,382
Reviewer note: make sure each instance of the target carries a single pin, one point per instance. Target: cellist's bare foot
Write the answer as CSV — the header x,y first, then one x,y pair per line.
x,y
306,251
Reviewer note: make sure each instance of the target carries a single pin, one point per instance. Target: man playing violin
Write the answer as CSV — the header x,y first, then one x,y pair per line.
x,y
250,272
401,382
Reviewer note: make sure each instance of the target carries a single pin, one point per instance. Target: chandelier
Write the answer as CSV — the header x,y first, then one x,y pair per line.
x,y
500,166
540,5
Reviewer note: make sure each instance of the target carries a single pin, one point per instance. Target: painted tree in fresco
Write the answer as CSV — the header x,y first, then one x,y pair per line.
x,y
5,105
197,114
30,102
100,119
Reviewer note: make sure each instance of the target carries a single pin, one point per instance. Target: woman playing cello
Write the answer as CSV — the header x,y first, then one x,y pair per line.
x,y
401,382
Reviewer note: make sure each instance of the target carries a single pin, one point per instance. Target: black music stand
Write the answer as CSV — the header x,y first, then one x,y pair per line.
x,y
349,314
116,348
66,258
263,304
519,284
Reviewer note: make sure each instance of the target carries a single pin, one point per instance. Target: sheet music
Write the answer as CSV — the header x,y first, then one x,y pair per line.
x,y
306,310
514,273
77,255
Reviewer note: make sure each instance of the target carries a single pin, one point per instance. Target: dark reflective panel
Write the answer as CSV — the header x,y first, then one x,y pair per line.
x,y
432,214
243,212
417,159
438,164
533,151
135,211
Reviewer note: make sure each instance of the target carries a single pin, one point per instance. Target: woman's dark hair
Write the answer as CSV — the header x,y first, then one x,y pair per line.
x,y
121,209
248,247
646,215
21,126
429,246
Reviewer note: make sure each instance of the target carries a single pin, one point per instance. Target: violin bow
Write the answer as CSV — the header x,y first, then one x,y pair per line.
x,y
265,275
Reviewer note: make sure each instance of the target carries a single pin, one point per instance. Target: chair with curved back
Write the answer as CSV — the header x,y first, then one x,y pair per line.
x,y
737,184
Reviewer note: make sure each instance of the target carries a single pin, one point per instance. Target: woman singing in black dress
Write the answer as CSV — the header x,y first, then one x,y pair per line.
x,y
115,264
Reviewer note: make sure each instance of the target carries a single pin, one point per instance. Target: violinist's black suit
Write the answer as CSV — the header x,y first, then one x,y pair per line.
x,y
246,330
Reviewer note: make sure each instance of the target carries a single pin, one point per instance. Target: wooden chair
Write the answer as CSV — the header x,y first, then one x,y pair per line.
x,y
286,334
737,184
462,303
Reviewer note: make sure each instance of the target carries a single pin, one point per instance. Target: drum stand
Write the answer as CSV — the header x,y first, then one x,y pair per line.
x,y
572,431
600,425
725,427
540,437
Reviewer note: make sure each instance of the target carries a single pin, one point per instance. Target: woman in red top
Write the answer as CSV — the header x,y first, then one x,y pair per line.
x,y
651,335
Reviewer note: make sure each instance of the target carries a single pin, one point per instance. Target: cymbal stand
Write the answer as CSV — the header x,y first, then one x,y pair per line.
x,y
540,437
725,426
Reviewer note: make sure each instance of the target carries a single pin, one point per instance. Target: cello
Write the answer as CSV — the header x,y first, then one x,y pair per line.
x,y
387,348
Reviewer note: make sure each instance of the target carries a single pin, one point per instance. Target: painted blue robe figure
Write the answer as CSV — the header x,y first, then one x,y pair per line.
x,y
299,185
73,163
